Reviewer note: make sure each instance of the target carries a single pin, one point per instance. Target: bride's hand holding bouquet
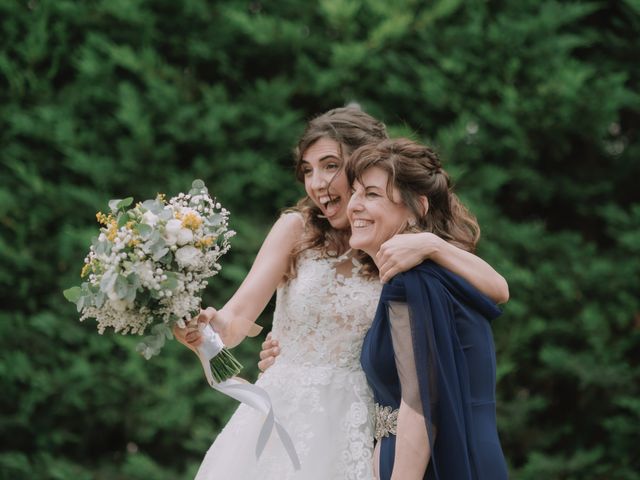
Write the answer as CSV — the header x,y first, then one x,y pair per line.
x,y
146,269
232,329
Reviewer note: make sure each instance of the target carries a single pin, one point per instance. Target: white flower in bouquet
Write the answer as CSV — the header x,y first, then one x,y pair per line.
x,y
188,256
145,270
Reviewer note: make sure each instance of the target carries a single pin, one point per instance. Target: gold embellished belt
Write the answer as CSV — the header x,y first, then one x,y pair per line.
x,y
386,421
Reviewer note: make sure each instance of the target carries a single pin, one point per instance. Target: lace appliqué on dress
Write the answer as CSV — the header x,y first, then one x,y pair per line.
x,y
317,385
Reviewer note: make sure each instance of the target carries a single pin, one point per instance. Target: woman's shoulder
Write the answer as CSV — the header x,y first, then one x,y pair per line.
x,y
426,269
428,272
439,279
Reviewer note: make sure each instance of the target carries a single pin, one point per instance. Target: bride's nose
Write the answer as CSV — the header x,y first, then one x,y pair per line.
x,y
319,181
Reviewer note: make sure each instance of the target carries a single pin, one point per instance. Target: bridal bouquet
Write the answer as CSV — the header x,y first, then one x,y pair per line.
x,y
146,269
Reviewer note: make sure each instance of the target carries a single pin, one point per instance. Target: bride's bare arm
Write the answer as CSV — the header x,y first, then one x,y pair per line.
x,y
405,251
234,321
266,273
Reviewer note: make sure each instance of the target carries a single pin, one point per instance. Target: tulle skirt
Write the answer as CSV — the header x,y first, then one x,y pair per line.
x,y
327,410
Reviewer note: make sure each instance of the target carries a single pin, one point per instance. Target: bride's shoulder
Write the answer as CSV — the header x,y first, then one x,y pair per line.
x,y
294,216
291,221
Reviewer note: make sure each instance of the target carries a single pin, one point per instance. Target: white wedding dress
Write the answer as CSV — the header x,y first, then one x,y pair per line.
x,y
318,389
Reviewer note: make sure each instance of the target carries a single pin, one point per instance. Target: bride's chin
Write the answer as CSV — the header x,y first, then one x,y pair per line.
x,y
340,224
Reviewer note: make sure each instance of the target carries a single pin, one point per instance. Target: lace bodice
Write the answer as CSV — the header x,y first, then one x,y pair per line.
x,y
318,389
322,315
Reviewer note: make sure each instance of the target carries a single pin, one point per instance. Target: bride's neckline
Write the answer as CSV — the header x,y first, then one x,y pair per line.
x,y
340,258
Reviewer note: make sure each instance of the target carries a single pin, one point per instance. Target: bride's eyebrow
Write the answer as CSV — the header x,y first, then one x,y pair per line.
x,y
331,156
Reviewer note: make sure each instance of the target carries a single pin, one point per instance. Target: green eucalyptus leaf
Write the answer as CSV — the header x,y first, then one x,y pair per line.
x,y
144,230
121,287
154,206
99,299
123,218
125,202
171,282
81,303
108,281
131,294
72,294
159,253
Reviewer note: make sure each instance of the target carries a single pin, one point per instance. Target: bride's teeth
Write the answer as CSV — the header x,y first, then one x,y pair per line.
x,y
326,201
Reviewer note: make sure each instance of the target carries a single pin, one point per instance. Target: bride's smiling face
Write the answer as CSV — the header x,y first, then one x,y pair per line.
x,y
326,182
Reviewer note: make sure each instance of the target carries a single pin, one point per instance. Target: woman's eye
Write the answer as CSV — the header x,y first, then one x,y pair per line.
x,y
332,166
372,194
306,171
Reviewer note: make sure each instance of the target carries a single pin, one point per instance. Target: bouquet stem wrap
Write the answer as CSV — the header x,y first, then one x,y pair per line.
x,y
222,364
247,393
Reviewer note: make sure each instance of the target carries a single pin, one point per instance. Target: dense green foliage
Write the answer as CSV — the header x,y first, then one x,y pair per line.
x,y
533,104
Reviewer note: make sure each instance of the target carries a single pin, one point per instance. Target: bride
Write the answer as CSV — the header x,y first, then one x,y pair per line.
x,y
324,306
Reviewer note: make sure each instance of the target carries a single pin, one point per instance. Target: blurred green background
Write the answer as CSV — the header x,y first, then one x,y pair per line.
x,y
533,104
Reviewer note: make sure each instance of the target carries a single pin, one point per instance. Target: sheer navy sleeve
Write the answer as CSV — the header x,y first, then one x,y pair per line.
x,y
454,356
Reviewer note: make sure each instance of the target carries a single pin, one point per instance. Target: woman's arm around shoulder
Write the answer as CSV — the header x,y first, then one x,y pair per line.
x,y
405,251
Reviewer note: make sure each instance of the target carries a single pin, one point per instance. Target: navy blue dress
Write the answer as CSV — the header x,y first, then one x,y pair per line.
x,y
455,368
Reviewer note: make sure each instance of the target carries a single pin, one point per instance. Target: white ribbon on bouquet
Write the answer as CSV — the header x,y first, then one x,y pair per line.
x,y
247,393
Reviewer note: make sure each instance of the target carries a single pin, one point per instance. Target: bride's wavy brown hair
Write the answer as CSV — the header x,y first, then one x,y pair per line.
x,y
415,170
351,128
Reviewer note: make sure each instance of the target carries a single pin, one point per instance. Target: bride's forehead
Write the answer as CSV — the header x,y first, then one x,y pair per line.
x,y
320,149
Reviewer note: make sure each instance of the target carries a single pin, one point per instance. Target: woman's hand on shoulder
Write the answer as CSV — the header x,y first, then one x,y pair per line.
x,y
404,251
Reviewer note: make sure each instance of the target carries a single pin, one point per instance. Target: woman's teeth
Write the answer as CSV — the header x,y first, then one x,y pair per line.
x,y
361,223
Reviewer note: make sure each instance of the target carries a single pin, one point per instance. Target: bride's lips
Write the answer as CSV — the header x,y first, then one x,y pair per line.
x,y
330,205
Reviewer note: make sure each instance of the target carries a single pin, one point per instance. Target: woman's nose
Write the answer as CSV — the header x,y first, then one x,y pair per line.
x,y
354,205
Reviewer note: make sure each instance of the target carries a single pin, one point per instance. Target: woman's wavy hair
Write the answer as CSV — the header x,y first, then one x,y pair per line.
x,y
351,128
415,170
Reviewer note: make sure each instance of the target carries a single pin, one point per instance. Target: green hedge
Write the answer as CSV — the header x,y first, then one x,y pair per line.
x,y
533,104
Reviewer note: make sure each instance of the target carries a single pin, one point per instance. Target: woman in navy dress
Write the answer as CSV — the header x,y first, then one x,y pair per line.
x,y
429,355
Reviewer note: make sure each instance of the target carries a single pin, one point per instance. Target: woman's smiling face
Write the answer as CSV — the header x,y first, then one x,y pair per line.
x,y
374,217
